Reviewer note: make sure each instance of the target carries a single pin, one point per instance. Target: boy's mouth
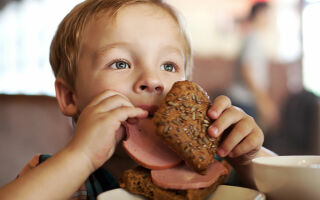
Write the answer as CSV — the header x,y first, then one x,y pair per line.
x,y
150,108
150,115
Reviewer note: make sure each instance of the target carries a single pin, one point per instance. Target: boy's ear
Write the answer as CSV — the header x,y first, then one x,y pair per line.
x,y
65,97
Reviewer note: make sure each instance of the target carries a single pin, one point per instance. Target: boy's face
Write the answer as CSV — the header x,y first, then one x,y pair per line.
x,y
139,53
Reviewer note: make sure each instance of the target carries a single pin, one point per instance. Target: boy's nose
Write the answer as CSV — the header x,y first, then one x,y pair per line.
x,y
149,82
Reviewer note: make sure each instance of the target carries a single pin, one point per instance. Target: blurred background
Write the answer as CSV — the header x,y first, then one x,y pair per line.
x,y
288,37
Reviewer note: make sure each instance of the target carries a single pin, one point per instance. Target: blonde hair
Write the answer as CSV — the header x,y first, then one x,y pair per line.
x,y
64,50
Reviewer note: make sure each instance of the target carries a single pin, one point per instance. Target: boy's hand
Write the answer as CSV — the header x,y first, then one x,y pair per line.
x,y
98,129
245,138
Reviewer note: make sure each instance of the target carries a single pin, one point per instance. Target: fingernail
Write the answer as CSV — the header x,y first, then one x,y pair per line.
x,y
214,114
221,152
143,114
215,131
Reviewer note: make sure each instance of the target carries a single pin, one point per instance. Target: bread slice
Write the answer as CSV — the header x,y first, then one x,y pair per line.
x,y
138,181
182,123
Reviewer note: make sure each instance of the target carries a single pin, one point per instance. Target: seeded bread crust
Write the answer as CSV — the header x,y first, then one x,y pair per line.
x,y
182,123
138,181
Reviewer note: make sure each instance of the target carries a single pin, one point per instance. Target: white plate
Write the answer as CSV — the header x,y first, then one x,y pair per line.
x,y
119,194
222,192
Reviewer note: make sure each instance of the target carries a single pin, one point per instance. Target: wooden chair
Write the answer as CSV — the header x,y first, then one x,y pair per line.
x,y
29,125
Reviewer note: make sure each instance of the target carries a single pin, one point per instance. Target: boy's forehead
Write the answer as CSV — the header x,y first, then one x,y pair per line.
x,y
112,13
109,19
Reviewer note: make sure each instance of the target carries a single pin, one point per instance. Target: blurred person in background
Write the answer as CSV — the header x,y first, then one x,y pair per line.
x,y
250,88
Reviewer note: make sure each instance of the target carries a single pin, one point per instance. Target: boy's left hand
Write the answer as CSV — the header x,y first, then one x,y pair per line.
x,y
245,138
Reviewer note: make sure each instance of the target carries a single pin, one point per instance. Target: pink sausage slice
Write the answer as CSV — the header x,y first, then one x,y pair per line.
x,y
182,178
148,150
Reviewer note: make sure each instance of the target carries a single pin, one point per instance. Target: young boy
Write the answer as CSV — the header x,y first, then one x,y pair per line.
x,y
114,61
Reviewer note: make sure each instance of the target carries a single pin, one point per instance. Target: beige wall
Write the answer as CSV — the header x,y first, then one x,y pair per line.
x,y
215,29
211,24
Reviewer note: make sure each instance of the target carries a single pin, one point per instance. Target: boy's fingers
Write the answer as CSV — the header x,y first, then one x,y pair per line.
x,y
228,117
219,105
237,134
108,93
112,102
123,113
249,146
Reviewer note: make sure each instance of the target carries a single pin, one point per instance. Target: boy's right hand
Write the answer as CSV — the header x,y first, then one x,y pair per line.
x,y
97,131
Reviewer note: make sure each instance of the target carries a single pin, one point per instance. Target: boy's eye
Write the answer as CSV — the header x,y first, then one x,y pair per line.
x,y
168,67
120,65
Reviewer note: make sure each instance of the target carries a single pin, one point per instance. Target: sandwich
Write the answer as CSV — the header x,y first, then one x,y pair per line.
x,y
176,156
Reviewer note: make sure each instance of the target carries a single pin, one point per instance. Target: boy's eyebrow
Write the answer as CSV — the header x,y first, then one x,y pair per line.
x,y
174,49
165,48
171,49
107,47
